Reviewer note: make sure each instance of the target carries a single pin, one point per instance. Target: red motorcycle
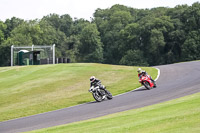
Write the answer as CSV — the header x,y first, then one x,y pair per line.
x,y
147,82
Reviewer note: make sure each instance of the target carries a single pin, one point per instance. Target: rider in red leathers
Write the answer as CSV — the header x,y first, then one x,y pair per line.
x,y
143,73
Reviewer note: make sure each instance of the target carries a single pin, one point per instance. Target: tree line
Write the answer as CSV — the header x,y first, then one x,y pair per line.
x,y
117,35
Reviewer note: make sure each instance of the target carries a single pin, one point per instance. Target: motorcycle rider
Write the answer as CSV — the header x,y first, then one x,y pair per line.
x,y
96,82
139,73
143,73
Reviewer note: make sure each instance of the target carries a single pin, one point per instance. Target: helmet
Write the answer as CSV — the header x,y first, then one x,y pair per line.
x,y
139,70
92,78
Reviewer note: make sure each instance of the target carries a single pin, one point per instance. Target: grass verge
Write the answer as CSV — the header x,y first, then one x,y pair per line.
x,y
177,116
29,90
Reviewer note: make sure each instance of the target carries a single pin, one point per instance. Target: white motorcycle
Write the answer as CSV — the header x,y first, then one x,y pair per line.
x,y
98,93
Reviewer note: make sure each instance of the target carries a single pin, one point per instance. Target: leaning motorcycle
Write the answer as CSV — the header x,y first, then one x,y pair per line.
x,y
99,93
147,82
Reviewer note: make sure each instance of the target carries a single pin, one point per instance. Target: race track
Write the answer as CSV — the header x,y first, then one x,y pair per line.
x,y
176,80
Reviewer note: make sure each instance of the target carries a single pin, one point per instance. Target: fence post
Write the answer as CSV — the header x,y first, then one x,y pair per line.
x,y
11,64
54,53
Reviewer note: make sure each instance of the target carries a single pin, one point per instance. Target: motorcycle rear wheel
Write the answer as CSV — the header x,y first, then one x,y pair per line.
x,y
108,94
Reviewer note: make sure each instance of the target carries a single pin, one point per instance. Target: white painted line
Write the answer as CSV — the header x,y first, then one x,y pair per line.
x,y
158,73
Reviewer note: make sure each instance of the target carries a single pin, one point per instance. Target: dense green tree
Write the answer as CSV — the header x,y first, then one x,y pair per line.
x,y
4,55
12,24
90,49
2,31
38,33
72,52
78,26
62,23
110,23
191,47
53,20
27,33
66,24
130,38
50,36
116,35
156,47
191,17
19,36
133,58
173,46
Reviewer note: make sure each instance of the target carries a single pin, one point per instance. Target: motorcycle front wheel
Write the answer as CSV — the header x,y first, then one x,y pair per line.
x,y
147,85
97,97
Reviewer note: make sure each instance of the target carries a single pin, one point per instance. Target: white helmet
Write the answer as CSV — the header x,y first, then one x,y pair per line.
x,y
92,78
139,70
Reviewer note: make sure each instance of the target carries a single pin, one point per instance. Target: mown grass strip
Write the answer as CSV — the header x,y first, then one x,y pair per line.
x,y
29,90
177,116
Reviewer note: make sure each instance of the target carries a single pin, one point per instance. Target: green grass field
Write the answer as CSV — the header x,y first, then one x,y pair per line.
x,y
177,116
29,90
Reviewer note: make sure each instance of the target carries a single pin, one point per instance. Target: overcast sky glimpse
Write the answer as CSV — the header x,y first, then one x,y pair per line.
x,y
36,9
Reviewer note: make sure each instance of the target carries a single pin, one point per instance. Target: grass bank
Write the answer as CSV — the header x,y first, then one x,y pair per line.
x,y
29,90
177,116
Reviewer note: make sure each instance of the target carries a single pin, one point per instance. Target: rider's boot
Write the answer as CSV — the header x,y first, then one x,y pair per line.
x,y
154,83
103,93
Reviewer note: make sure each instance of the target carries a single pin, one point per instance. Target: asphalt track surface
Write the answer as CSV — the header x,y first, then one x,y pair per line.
x,y
176,80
